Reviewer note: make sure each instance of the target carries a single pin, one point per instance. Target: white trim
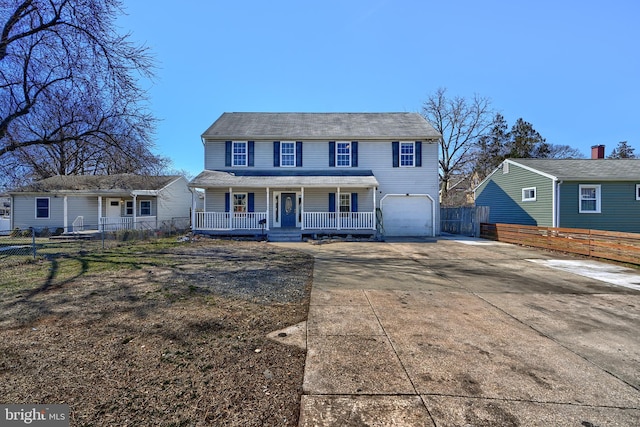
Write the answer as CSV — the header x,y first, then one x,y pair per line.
x,y
413,161
637,191
530,169
150,207
246,153
598,198
48,208
526,198
350,145
293,143
65,209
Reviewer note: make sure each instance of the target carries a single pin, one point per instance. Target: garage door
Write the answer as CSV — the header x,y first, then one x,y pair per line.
x,y
407,215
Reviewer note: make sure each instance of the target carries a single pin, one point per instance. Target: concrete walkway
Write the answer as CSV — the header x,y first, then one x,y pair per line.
x,y
466,333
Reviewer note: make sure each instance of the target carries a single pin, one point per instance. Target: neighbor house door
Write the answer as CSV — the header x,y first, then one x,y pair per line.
x,y
113,208
288,209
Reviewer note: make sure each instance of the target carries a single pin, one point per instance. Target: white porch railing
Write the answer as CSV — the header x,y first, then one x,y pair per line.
x,y
115,223
229,220
335,220
78,224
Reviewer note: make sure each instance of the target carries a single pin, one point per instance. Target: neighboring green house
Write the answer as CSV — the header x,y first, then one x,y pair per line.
x,y
589,194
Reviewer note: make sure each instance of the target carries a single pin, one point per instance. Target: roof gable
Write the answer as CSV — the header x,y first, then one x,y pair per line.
x,y
326,126
585,169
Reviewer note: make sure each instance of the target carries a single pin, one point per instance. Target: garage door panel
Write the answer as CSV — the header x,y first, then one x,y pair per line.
x,y
407,216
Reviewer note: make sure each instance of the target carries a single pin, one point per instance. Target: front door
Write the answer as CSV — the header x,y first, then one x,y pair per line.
x,y
113,208
288,209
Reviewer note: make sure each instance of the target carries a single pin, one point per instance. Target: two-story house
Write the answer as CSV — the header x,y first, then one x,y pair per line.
x,y
319,173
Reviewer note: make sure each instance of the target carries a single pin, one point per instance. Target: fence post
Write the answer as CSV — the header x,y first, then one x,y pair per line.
x,y
33,241
102,237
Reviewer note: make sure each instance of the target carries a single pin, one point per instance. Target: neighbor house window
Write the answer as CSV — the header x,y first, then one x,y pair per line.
x,y
637,191
589,198
529,194
128,207
42,207
287,154
343,154
239,153
345,202
407,154
240,202
145,207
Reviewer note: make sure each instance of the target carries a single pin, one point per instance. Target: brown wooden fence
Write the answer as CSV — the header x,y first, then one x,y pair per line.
x,y
611,245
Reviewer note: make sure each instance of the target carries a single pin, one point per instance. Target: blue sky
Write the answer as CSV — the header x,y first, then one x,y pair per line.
x,y
570,68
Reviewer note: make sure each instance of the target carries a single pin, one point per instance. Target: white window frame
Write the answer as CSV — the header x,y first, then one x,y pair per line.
x,y
343,155
244,154
407,157
291,156
48,199
141,212
598,198
240,203
637,191
344,197
527,197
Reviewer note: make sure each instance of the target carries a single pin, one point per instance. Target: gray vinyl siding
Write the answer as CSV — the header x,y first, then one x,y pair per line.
x,y
503,194
84,206
619,209
24,212
174,201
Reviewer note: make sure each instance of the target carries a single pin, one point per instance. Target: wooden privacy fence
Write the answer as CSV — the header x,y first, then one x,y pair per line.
x,y
464,220
611,245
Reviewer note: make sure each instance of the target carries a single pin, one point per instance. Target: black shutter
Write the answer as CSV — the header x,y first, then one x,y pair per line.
x,y
332,153
227,153
227,202
332,202
276,154
299,154
250,202
354,202
354,154
418,153
250,150
395,146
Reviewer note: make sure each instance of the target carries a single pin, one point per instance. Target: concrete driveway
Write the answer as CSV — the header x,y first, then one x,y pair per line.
x,y
466,333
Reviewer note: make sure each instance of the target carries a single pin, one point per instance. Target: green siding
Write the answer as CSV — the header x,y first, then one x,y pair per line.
x,y
503,194
619,209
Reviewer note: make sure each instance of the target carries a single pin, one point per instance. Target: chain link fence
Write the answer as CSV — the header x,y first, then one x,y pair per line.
x,y
20,245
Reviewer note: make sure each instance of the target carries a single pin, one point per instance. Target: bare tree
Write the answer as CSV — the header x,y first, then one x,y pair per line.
x,y
69,86
461,122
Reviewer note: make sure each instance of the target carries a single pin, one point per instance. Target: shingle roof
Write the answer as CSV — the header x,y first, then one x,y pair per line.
x,y
98,183
324,126
284,178
579,169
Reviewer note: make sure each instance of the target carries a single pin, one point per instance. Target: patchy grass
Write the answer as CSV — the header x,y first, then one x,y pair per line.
x,y
160,333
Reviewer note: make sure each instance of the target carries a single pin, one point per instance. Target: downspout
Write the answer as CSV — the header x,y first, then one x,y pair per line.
x,y
556,187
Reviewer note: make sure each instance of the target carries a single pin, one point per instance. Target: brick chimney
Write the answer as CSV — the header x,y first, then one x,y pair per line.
x,y
597,152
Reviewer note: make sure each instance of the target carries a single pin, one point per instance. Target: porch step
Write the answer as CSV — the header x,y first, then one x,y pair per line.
x,y
285,236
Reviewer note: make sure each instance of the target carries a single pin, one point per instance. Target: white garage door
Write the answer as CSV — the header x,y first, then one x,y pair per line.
x,y
407,215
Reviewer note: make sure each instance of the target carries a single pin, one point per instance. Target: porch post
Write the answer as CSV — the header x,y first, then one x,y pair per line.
x,y
135,210
231,208
266,226
302,208
374,207
193,209
338,209
66,221
100,227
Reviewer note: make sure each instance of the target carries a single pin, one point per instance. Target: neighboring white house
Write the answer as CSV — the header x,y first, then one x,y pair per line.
x,y
5,213
101,202
314,173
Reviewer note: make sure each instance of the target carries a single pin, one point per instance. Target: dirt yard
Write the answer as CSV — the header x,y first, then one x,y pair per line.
x,y
170,334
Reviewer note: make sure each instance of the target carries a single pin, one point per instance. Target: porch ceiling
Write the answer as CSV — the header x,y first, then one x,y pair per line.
x,y
284,178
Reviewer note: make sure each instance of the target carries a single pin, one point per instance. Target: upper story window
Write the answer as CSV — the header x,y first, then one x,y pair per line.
x,y
42,207
288,154
343,154
407,154
145,207
239,153
589,195
529,194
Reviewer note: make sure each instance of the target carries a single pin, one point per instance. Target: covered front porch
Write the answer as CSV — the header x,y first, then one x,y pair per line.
x,y
272,205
